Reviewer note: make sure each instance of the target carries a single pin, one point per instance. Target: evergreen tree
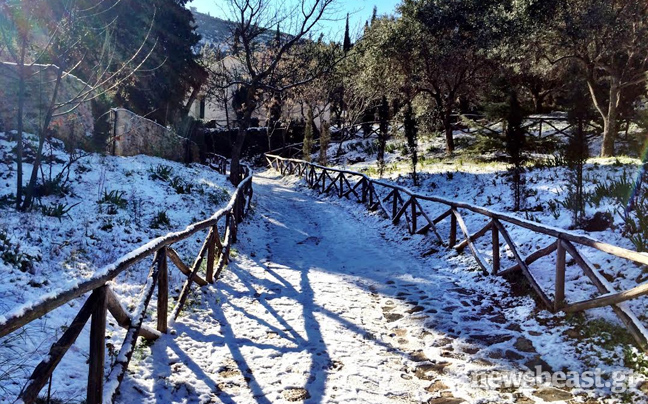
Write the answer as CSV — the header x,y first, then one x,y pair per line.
x,y
325,139
308,135
374,14
347,38
160,90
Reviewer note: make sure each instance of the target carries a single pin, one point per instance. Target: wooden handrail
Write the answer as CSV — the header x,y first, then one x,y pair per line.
x,y
402,202
103,300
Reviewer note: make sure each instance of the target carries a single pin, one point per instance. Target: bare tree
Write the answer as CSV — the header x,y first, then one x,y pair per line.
x,y
32,36
254,74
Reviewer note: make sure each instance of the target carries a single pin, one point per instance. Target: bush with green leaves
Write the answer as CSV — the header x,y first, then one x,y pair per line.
x,y
161,172
181,186
113,201
12,254
57,210
160,220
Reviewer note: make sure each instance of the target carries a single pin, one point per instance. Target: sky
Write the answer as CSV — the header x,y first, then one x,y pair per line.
x,y
359,12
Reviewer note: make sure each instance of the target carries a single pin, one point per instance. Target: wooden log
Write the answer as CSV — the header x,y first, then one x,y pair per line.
x,y
414,215
125,354
400,212
523,266
22,316
395,205
459,247
496,249
173,256
453,230
97,354
211,252
44,370
622,310
559,296
442,216
184,293
122,317
163,292
531,258
480,260
608,299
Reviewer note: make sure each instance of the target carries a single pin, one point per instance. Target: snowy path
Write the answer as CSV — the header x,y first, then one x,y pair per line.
x,y
318,306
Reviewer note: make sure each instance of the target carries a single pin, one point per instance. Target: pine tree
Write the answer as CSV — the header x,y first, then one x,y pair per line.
x,y
347,38
325,139
172,68
374,14
308,135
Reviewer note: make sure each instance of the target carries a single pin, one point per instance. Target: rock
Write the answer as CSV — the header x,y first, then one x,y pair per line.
x,y
296,394
489,339
551,394
537,361
514,327
599,222
436,386
415,309
429,371
512,355
524,345
418,356
445,400
643,387
391,317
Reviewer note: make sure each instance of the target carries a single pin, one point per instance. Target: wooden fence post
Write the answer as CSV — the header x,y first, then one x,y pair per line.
x,y
395,204
211,255
413,204
496,249
163,291
97,349
453,231
559,300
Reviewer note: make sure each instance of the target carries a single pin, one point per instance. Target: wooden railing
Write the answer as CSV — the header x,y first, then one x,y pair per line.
x,y
400,204
101,389
553,124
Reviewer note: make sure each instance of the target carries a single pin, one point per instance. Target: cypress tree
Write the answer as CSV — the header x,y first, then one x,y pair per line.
x,y
347,38
325,139
308,135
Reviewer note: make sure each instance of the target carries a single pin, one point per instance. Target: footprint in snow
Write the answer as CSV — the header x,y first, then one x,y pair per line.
x,y
311,240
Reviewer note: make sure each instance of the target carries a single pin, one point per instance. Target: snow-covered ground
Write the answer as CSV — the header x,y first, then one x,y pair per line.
x,y
327,304
53,253
324,302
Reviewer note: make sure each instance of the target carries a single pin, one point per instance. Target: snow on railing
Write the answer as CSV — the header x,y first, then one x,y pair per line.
x,y
103,299
401,203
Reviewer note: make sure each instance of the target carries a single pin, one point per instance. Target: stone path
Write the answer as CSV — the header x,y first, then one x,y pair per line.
x,y
319,308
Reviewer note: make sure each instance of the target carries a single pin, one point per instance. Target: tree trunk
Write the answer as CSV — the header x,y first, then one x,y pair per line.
x,y
447,126
29,192
610,124
21,109
235,167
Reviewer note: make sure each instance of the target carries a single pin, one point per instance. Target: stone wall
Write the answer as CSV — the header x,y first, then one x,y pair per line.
x,y
75,128
133,134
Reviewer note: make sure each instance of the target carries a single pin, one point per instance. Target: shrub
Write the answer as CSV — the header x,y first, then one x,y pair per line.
x,y
160,172
160,220
57,210
181,186
114,199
